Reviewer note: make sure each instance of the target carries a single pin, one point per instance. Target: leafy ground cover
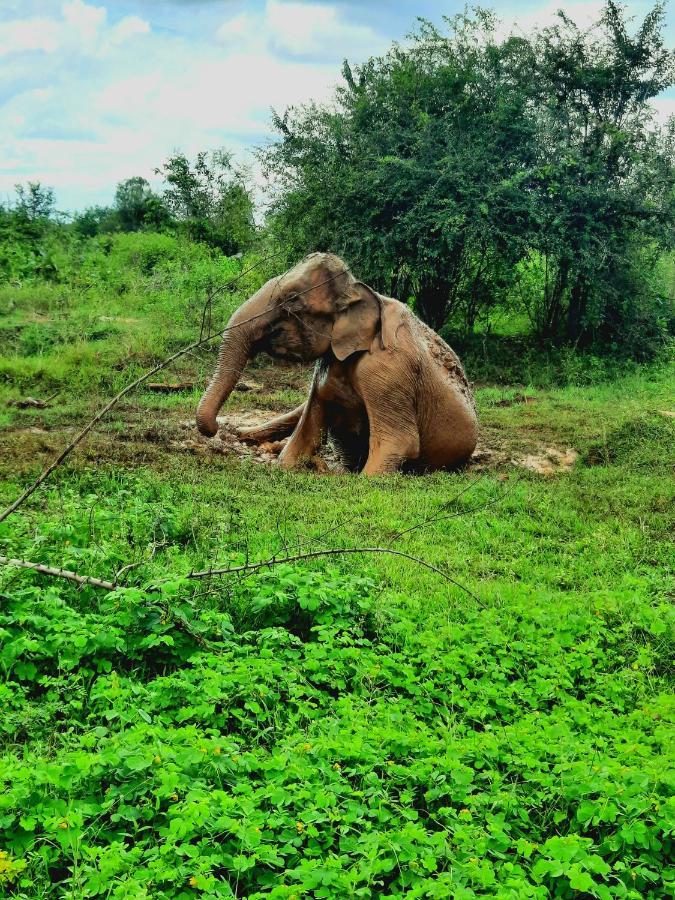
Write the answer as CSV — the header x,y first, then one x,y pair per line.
x,y
353,727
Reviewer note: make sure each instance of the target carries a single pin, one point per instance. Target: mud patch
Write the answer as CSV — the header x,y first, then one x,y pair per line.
x,y
551,462
490,454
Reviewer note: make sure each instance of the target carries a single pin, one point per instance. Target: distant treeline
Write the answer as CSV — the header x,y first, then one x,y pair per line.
x,y
482,178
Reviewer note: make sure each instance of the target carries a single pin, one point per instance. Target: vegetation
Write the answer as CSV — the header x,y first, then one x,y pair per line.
x,y
359,726
476,174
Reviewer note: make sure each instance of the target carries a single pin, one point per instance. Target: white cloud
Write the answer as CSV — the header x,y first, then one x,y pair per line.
x,y
83,22
309,30
80,29
236,29
116,112
29,34
95,98
127,28
664,107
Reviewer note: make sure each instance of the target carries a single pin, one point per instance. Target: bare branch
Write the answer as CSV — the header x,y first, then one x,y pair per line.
x,y
59,573
336,551
246,568
134,384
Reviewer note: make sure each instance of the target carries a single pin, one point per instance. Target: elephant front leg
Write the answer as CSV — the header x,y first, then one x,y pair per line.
x,y
306,439
394,436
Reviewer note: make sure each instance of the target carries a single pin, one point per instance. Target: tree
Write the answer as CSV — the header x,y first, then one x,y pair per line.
x,y
413,174
138,207
96,220
604,177
449,168
209,199
34,202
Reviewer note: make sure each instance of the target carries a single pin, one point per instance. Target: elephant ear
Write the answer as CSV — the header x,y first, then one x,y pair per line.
x,y
357,321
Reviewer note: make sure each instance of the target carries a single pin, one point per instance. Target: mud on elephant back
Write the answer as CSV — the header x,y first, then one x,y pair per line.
x,y
387,390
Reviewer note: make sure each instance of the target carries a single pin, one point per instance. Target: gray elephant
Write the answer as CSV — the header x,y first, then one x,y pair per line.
x,y
387,390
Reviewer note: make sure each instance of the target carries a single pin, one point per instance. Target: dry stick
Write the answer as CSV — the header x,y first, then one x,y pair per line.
x,y
130,387
461,512
59,573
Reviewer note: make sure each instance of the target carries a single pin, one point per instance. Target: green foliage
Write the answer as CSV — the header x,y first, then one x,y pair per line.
x,y
359,731
476,175
137,206
210,200
26,233
95,220
286,739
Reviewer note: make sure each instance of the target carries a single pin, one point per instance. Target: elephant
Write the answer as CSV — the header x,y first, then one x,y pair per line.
x,y
386,389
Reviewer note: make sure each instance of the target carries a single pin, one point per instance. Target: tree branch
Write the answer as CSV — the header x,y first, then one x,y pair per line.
x,y
245,568
59,573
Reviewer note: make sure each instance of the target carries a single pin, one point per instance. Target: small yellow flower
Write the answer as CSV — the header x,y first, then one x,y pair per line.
x,y
306,746
174,797
203,750
157,759
390,762
635,666
300,827
257,829
193,882
466,813
63,825
216,751
337,767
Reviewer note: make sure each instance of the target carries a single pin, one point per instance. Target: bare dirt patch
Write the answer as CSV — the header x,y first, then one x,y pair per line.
x,y
492,451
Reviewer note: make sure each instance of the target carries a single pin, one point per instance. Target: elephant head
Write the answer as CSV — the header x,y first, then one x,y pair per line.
x,y
315,308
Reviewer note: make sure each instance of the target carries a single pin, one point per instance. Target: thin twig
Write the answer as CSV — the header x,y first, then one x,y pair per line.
x,y
462,512
336,551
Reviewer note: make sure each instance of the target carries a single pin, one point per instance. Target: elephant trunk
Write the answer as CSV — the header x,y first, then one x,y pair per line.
x,y
234,353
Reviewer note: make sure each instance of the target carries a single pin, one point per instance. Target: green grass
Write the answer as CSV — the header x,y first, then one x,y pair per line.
x,y
346,727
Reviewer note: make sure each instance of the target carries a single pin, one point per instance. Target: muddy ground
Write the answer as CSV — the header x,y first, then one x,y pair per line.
x,y
142,429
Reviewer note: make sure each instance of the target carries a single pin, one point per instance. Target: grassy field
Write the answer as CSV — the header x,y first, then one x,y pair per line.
x,y
354,726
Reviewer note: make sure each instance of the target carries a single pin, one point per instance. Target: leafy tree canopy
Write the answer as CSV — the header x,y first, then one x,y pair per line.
x,y
470,172
210,199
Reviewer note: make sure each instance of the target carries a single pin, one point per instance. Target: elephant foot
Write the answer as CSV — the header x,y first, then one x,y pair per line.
x,y
314,463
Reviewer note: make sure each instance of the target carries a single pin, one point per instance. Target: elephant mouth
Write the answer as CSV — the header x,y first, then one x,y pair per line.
x,y
279,348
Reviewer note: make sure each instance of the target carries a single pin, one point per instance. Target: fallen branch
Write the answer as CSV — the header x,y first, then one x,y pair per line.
x,y
337,551
130,387
59,573
239,570
163,387
32,402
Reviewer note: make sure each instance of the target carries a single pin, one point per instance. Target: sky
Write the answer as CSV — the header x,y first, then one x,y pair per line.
x,y
96,91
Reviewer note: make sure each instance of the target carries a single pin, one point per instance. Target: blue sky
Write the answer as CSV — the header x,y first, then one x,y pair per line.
x,y
95,91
